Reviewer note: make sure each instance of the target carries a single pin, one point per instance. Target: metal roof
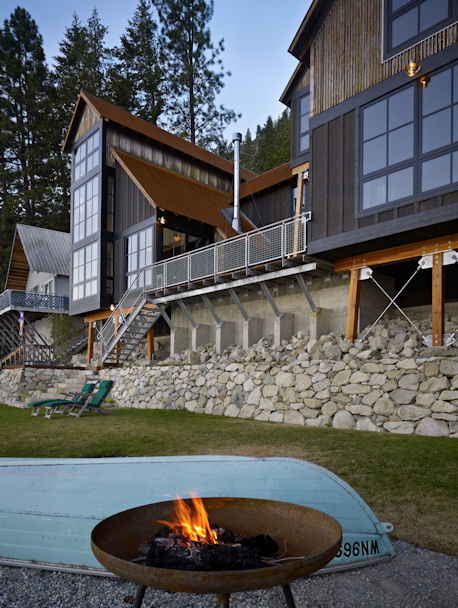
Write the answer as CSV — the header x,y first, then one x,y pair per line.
x,y
46,250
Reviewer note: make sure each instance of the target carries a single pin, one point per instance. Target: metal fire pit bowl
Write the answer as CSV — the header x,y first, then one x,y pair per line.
x,y
310,536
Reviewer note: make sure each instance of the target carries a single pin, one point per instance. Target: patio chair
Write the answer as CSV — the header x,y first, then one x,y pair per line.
x,y
94,403
76,398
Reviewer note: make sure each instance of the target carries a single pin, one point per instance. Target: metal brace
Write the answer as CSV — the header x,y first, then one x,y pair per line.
x,y
270,299
306,292
449,257
239,304
186,311
212,310
167,319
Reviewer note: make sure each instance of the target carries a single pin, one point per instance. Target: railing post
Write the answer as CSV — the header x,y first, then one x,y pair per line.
x,y
247,251
283,239
215,261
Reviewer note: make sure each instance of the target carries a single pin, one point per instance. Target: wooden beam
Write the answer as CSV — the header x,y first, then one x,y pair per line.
x,y
101,315
300,168
398,254
438,284
353,306
150,343
90,341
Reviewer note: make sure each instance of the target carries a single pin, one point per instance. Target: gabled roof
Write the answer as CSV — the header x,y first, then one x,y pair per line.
x,y
310,26
109,112
176,193
271,178
39,250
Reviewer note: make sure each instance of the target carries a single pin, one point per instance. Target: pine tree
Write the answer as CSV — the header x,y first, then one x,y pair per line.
x,y
137,80
28,139
195,71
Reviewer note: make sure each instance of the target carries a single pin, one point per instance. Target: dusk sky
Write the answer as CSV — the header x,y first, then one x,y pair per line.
x,y
257,34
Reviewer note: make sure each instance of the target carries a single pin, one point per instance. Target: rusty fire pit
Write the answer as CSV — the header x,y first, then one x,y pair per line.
x,y
311,539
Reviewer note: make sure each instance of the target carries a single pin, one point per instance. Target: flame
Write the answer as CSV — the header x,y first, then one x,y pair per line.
x,y
192,526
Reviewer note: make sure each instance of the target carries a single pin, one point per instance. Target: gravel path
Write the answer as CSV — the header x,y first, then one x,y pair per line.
x,y
415,578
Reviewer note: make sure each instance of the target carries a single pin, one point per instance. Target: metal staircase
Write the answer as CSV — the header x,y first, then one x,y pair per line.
x,y
129,322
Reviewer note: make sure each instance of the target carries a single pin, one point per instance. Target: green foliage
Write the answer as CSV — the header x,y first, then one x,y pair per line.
x,y
137,79
30,160
195,71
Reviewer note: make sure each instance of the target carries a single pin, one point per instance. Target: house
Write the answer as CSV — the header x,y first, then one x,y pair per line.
x,y
374,102
37,284
366,208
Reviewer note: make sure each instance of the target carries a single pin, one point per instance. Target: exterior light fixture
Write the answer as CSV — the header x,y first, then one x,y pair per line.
x,y
112,307
412,68
424,81
162,220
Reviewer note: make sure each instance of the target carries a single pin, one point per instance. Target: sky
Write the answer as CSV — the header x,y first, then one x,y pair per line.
x,y
257,34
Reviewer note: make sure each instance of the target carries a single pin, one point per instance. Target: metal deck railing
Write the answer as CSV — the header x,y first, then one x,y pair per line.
x,y
274,242
12,299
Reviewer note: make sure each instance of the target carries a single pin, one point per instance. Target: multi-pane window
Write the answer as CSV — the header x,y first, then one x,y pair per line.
x,y
139,254
409,21
86,156
85,273
409,141
85,209
110,268
110,204
303,114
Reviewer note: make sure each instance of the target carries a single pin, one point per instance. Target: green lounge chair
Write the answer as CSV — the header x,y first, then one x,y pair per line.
x,y
76,398
94,403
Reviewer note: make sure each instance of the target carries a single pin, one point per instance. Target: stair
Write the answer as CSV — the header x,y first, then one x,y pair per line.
x,y
130,332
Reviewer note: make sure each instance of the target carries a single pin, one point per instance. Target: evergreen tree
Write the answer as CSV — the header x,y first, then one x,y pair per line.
x,y
28,139
195,71
270,147
137,79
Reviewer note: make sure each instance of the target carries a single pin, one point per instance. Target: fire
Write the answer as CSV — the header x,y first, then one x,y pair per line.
x,y
192,524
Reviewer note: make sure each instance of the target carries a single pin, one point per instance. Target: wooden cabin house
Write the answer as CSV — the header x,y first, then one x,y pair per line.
x,y
374,102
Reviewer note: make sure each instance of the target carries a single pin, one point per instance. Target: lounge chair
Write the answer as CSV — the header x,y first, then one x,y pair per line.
x,y
76,398
94,403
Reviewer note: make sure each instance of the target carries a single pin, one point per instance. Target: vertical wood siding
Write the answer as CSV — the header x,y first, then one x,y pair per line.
x,y
131,206
269,206
169,159
88,120
346,55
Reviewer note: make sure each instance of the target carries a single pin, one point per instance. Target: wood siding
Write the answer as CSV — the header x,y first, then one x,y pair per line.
x,y
88,120
131,206
145,149
268,206
346,55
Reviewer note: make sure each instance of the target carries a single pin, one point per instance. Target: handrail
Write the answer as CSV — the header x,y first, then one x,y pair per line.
x,y
276,241
30,300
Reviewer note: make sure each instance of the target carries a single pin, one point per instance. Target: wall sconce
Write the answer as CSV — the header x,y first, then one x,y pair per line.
x,y
112,307
176,238
412,68
162,220
424,81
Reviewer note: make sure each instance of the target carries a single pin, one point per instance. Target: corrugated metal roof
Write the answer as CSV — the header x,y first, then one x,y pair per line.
x,y
110,112
46,250
176,193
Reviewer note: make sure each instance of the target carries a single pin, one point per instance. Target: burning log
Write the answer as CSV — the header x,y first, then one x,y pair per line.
x,y
204,557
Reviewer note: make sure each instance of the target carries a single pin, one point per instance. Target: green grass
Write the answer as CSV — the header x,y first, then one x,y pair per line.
x,y
408,480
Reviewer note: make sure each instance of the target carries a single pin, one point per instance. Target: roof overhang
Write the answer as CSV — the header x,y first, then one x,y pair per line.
x,y
309,27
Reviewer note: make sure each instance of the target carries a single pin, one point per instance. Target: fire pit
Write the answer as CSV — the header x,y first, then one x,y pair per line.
x,y
310,539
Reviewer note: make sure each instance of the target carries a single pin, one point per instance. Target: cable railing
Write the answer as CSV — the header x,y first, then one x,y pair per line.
x,y
274,242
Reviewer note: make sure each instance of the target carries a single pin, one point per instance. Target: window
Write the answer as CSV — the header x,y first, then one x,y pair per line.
x,y
409,21
303,119
85,209
86,156
85,262
408,141
110,268
140,255
110,204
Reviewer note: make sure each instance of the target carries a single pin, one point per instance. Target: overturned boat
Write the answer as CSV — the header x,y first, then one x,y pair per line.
x,y
49,506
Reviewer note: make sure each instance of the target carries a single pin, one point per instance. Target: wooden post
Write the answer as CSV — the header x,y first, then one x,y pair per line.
x,y
90,341
353,306
150,343
438,285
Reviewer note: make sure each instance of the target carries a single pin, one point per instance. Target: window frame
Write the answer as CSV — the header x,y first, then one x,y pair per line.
x,y
415,161
389,16
299,133
84,265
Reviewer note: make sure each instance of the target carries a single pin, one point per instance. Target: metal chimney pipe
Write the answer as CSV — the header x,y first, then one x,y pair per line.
x,y
236,225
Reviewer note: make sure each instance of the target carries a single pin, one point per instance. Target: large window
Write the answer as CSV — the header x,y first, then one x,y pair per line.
x,y
85,273
86,156
409,21
85,209
408,140
303,127
139,255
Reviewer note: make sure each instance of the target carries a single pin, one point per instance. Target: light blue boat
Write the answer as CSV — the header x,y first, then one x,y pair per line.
x,y
49,506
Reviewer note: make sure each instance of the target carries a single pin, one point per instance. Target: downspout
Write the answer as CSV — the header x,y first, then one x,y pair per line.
x,y
236,225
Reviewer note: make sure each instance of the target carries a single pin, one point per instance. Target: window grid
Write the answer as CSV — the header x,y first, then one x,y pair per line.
x,y
86,156
85,209
303,141
433,162
139,254
85,261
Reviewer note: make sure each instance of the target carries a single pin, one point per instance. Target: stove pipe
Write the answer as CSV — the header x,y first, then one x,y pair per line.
x,y
236,225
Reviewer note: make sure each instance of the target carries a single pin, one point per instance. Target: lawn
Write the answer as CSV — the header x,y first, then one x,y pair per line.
x,y
408,480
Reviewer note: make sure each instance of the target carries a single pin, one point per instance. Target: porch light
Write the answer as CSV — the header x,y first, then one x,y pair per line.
x,y
412,68
112,307
424,81
162,220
